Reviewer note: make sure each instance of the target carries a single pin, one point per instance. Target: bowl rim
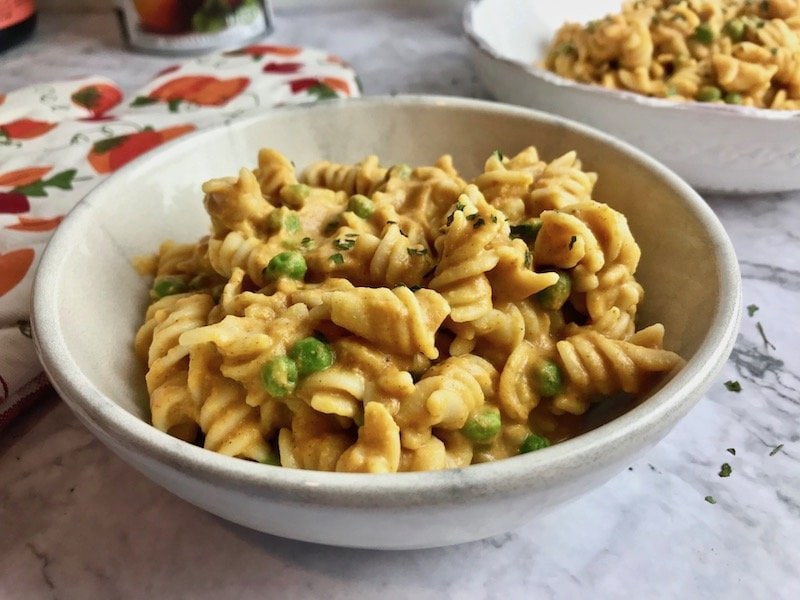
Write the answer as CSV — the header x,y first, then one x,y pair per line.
x,y
513,474
481,44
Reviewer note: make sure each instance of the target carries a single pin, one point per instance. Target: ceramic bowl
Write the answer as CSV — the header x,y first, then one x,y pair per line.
x,y
715,148
88,303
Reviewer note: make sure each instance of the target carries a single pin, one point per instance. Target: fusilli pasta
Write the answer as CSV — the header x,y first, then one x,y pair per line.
x,y
733,51
375,318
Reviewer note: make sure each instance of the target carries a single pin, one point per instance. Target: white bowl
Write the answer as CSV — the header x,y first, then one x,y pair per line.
x,y
88,303
714,147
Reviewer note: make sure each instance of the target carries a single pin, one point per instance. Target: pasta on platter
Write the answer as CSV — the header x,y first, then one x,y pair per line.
x,y
372,318
733,51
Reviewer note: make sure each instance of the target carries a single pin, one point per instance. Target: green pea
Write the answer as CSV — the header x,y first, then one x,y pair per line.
x,y
279,376
708,93
292,223
527,231
733,98
483,425
704,34
361,206
295,194
554,297
735,29
547,379
283,219
532,443
167,286
311,355
286,264
271,459
401,171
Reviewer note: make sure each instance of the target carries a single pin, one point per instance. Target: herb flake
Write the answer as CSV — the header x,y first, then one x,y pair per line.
x,y
346,244
776,449
416,251
710,499
767,343
751,310
336,259
733,386
731,451
725,470
528,259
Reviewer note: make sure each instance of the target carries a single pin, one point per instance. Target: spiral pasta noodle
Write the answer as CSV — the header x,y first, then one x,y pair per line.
x,y
372,318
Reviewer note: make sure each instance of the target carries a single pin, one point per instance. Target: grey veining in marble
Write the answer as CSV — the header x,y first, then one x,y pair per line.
x,y
76,522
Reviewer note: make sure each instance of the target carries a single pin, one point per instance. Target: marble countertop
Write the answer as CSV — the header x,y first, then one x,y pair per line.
x,y
76,522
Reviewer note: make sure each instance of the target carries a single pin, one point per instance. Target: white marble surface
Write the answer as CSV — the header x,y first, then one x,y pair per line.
x,y
76,522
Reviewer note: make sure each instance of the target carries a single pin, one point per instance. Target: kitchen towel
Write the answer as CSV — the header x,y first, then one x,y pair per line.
x,y
59,140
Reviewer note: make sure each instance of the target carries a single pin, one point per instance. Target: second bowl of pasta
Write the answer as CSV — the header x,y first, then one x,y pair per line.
x,y
712,89
358,323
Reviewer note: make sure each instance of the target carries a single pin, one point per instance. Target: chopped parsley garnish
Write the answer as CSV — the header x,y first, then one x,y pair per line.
x,y
416,251
498,155
336,259
572,241
775,450
346,244
451,216
472,217
725,470
710,499
767,343
733,386
478,223
528,259
731,451
751,310
307,243
494,218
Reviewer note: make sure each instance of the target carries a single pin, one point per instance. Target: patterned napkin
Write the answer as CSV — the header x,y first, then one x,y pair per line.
x,y
59,140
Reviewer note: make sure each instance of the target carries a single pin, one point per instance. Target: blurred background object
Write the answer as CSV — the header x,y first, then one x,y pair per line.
x,y
17,22
192,26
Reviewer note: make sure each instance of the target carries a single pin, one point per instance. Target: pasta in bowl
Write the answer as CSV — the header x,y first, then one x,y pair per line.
x,y
88,304
379,319
708,88
730,51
